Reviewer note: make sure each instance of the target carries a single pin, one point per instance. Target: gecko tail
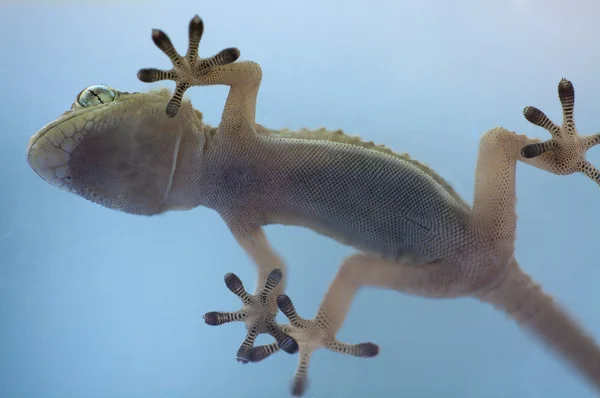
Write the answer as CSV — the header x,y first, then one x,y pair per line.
x,y
536,312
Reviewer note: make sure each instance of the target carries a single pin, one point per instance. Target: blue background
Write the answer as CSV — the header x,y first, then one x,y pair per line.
x,y
97,304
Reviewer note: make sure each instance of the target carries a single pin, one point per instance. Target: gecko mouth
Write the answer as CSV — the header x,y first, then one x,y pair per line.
x,y
50,149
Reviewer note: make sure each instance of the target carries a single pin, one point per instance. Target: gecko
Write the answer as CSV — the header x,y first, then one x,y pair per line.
x,y
150,153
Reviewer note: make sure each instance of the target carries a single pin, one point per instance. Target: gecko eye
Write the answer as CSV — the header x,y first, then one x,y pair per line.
x,y
95,95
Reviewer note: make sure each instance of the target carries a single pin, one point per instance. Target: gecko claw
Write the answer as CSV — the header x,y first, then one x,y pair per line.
x,y
309,335
186,69
567,148
258,313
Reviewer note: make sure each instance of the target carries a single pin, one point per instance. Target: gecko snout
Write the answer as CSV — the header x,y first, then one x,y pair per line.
x,y
48,154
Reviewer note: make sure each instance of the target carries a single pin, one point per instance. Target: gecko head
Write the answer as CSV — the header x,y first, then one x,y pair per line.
x,y
115,148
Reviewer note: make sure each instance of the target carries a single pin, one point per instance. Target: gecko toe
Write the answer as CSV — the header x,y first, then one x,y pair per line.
x,y
566,93
274,277
152,75
533,150
299,386
244,355
289,345
367,350
535,116
211,318
195,32
233,283
163,42
223,57
285,304
263,351
216,318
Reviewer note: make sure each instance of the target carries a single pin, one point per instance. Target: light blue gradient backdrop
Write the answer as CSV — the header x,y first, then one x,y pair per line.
x,y
99,304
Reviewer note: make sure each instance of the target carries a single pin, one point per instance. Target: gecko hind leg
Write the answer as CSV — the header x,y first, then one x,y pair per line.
x,y
254,314
186,69
567,146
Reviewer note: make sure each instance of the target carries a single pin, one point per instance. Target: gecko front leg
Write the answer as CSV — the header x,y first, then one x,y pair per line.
x,y
260,309
255,313
243,78
320,332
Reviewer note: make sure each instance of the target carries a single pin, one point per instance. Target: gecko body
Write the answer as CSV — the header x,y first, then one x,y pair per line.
x,y
148,153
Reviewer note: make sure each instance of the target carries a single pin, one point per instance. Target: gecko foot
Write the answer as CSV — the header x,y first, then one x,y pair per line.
x,y
310,335
186,69
255,313
566,148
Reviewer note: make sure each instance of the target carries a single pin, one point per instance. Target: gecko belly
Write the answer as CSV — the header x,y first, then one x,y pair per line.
x,y
367,199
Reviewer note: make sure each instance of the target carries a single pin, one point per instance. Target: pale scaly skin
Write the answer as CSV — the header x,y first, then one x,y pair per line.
x,y
122,151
